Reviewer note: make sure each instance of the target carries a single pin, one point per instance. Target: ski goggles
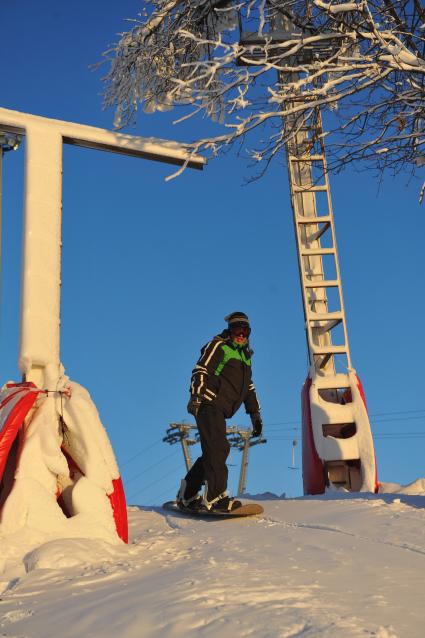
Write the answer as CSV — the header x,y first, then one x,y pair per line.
x,y
240,330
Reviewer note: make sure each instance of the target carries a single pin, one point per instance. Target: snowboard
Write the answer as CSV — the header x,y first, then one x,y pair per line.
x,y
246,509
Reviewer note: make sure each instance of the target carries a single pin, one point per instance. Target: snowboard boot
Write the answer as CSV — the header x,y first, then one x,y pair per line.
x,y
225,504
222,503
192,503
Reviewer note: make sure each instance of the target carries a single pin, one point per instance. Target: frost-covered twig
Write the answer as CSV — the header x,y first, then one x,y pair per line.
x,y
362,59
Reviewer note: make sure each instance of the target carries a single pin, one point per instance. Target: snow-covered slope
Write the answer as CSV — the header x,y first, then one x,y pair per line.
x,y
336,567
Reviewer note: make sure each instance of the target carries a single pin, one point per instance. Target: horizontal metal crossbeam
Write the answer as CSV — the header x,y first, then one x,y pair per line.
x,y
330,283
309,188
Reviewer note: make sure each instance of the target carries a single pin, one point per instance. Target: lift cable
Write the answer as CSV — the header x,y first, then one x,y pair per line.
x,y
386,436
269,428
151,467
158,480
297,422
146,449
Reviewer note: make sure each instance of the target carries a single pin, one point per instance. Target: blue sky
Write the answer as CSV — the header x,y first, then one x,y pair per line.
x,y
151,268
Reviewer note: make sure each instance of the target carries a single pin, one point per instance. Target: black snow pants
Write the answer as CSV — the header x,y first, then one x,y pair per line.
x,y
211,466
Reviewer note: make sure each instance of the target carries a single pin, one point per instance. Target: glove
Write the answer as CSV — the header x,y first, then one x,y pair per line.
x,y
257,424
193,405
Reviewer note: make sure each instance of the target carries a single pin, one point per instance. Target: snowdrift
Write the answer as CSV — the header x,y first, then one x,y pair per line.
x,y
332,566
57,467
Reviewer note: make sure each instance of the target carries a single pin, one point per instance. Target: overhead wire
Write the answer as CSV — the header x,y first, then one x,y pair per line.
x,y
385,436
146,449
400,435
379,435
270,427
146,487
152,466
400,412
159,496
406,418
371,416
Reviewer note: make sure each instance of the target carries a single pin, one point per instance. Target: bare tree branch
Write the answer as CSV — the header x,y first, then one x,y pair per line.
x,y
361,62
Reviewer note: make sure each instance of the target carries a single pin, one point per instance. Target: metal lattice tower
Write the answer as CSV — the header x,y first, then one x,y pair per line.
x,y
237,436
314,227
316,247
336,436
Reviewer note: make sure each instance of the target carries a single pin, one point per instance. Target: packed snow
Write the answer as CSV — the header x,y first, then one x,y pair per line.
x,y
337,565
42,471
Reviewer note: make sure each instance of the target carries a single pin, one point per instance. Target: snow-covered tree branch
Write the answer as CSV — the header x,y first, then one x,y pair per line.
x,y
251,64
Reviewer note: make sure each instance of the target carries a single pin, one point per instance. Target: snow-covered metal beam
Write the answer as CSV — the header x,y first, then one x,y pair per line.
x,y
150,148
40,310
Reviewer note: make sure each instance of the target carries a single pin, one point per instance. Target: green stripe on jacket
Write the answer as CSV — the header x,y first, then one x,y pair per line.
x,y
231,353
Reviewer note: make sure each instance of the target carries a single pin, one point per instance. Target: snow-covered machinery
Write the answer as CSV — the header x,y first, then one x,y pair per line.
x,y
56,463
57,466
337,445
337,441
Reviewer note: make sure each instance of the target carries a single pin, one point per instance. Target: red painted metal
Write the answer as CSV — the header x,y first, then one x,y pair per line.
x,y
14,420
119,508
313,474
25,395
363,396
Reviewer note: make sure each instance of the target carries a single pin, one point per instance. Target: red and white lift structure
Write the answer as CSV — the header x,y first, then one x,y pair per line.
x,y
337,444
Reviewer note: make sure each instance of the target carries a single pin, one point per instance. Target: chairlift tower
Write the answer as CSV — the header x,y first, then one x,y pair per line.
x,y
238,437
337,444
180,433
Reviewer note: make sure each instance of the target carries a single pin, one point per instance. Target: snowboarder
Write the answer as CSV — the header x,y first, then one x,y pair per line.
x,y
221,382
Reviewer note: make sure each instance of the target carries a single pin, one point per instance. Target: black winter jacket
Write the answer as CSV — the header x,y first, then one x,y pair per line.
x,y
223,376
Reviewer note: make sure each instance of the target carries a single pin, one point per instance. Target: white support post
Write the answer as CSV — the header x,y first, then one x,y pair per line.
x,y
41,272
39,358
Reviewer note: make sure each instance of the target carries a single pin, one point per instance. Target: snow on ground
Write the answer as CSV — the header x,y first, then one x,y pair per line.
x,y
334,566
